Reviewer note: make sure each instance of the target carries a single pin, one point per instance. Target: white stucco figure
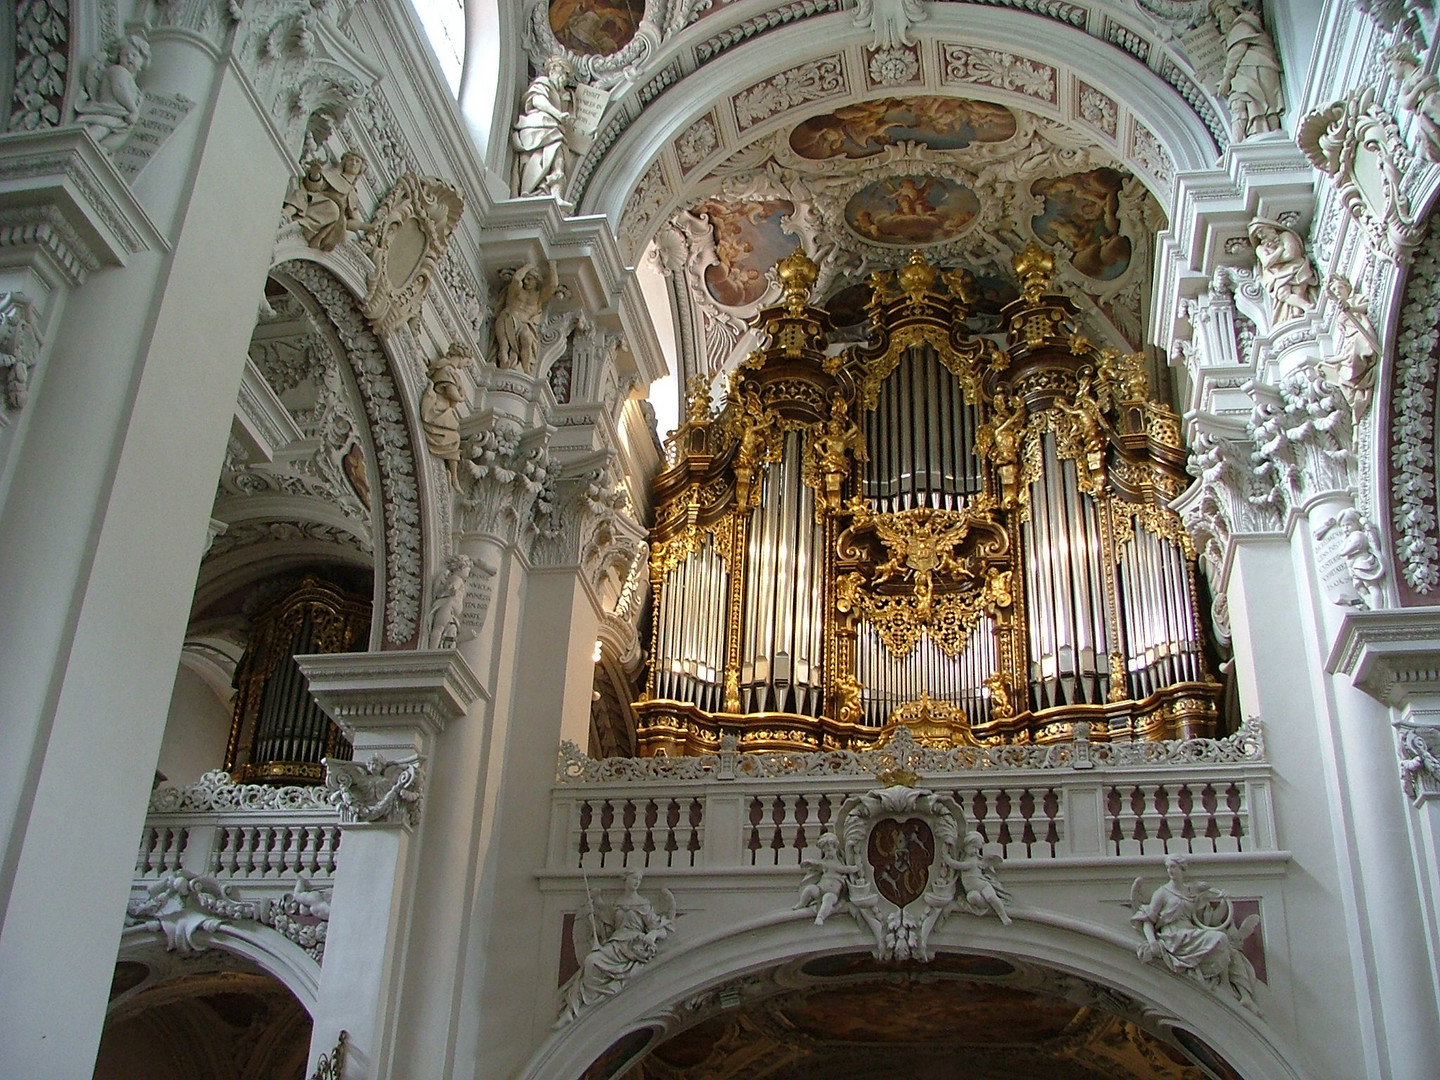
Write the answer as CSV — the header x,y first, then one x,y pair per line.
x,y
614,940
517,318
1189,928
449,604
1285,269
543,131
440,409
826,879
324,203
1351,368
1419,96
1250,82
109,105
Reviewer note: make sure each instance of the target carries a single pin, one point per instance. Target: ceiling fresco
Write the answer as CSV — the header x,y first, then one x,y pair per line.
x,y
967,182
850,1017
595,27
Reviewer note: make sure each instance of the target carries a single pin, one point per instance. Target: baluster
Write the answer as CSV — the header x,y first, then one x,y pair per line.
x,y
627,839
1112,807
1027,831
979,809
1234,803
777,836
697,815
672,820
1162,810
1212,827
142,857
757,815
587,814
652,815
1002,808
1051,805
329,846
802,814
607,819
1135,844
1185,800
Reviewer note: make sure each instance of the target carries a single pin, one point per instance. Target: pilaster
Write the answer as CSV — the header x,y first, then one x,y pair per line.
x,y
392,706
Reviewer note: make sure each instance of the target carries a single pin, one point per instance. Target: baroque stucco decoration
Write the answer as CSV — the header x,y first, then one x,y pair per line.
x,y
1356,143
394,453
410,232
1189,928
188,909
615,940
379,791
895,846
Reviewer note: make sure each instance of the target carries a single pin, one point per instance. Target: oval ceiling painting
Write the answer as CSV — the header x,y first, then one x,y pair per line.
x,y
595,27
1082,212
909,210
749,239
868,127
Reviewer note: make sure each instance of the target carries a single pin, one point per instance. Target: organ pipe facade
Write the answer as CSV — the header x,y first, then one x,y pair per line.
x,y
967,536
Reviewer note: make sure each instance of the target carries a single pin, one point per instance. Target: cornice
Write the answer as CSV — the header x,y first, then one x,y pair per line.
x,y
387,689
1392,655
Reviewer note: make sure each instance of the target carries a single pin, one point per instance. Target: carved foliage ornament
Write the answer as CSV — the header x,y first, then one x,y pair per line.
x,y
1356,143
1419,762
411,231
188,909
900,862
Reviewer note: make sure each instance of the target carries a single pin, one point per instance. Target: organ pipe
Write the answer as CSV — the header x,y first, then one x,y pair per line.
x,y
968,536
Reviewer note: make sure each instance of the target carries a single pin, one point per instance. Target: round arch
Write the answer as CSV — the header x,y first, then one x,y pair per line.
x,y
1158,119
407,506
662,998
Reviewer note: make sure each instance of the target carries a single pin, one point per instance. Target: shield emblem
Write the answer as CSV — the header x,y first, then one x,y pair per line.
x,y
900,854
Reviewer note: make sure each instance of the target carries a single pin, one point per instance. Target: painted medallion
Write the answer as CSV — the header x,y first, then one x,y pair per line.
x,y
595,27
910,210
749,240
868,127
900,854
1082,212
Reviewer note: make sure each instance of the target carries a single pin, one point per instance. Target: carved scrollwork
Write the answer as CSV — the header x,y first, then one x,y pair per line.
x,y
411,231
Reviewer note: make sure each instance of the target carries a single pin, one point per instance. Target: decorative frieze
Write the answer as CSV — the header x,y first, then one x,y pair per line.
x,y
378,791
188,909
42,63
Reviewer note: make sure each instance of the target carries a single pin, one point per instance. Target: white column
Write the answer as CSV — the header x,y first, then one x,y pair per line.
x,y
392,706
106,505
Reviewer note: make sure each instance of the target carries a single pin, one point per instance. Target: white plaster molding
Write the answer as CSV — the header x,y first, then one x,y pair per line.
x,y
410,230
190,909
67,208
1394,656
421,691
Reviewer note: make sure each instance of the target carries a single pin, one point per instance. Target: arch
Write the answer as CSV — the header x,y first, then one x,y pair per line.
x,y
266,949
406,503
611,175
658,997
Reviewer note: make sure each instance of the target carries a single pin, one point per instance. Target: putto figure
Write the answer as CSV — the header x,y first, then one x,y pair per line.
x,y
614,940
110,106
1189,927
544,130
1250,82
826,879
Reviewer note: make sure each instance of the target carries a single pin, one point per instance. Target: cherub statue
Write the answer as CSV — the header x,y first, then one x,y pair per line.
x,y
1352,367
440,409
109,106
978,882
614,940
449,605
324,203
544,130
1087,435
1359,545
1419,96
1250,82
1000,707
826,882
1189,928
1285,269
518,316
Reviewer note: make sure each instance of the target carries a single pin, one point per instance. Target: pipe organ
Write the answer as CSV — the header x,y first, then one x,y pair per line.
x,y
967,536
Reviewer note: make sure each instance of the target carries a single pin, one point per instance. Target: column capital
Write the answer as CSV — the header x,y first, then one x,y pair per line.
x,y
392,699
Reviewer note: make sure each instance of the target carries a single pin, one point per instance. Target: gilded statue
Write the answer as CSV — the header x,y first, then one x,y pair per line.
x,y
999,440
1086,439
835,443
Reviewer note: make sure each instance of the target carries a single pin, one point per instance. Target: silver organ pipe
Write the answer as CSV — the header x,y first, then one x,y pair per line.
x,y
1068,621
1162,646
689,643
922,435
889,681
782,625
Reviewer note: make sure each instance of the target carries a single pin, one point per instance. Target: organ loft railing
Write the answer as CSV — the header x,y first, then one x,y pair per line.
x,y
931,530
